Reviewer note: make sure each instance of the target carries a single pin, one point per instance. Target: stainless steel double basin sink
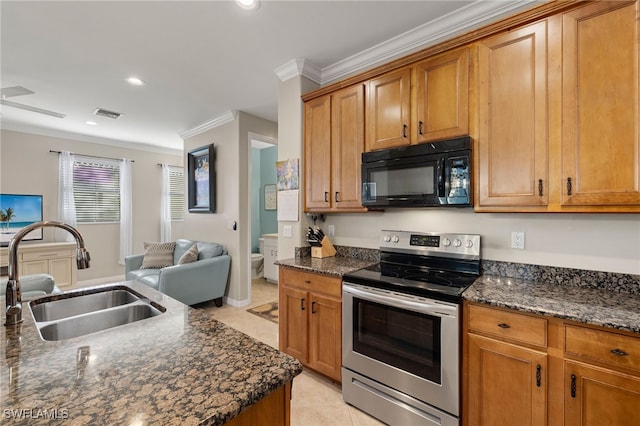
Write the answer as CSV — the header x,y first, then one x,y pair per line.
x,y
78,313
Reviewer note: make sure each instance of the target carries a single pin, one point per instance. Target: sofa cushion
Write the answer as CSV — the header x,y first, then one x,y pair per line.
x,y
181,248
189,256
158,255
38,284
209,250
146,276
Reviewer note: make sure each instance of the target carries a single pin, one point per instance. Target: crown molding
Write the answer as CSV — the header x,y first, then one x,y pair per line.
x,y
296,67
428,34
219,120
63,134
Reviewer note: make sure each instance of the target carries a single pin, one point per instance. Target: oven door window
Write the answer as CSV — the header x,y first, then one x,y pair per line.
x,y
401,338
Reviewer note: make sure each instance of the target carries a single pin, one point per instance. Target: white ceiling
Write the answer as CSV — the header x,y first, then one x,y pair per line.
x,y
200,59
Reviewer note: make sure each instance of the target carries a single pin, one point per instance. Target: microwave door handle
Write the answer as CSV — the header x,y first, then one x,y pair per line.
x,y
441,178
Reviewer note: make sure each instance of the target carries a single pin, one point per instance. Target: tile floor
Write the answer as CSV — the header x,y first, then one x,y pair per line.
x,y
315,400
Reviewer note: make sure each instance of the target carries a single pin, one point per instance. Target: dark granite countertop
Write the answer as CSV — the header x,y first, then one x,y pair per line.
x,y
181,367
596,306
335,266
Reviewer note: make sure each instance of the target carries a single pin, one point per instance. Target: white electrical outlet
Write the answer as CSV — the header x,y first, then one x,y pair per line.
x,y
332,230
517,240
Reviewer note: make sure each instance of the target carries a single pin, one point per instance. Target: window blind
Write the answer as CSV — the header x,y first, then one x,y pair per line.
x,y
176,193
96,190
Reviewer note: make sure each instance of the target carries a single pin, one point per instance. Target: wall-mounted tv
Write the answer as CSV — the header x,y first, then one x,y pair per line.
x,y
16,212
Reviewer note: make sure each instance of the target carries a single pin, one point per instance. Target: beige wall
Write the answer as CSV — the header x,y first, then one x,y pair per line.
x,y
232,164
27,166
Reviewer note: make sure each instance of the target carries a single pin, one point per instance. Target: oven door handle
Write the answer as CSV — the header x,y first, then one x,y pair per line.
x,y
422,307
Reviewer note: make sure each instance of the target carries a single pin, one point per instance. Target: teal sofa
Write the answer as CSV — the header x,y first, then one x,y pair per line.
x,y
191,283
33,286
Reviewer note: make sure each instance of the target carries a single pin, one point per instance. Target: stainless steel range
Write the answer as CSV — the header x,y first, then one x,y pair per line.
x,y
401,327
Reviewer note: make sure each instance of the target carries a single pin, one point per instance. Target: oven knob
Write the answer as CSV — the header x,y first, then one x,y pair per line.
x,y
387,238
395,239
446,242
469,244
457,243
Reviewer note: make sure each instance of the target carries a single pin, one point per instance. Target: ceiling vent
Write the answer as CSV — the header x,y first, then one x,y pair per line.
x,y
106,113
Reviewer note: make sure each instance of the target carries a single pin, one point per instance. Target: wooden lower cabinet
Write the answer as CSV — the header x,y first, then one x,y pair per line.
x,y
272,410
503,389
311,320
526,369
598,396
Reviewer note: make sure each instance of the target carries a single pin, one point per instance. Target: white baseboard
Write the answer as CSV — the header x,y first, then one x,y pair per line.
x,y
237,303
99,281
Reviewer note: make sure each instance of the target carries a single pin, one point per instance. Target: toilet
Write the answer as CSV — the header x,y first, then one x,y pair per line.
x,y
257,262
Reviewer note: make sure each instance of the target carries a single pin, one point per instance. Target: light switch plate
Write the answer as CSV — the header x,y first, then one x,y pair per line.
x,y
287,231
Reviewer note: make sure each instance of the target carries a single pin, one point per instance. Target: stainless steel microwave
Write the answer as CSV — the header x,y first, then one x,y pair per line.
x,y
436,174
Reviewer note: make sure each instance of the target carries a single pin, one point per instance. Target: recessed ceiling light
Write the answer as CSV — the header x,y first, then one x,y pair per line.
x,y
91,123
248,4
135,81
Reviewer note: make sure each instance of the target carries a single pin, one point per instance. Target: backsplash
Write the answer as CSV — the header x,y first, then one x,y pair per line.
x,y
610,281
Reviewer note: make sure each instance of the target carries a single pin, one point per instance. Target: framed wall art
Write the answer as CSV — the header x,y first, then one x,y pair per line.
x,y
270,197
202,179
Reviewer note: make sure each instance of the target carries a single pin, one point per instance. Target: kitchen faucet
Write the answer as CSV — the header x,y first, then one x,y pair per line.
x,y
13,295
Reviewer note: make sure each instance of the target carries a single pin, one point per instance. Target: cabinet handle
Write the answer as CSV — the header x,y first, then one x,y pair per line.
x,y
307,281
569,186
313,307
619,352
326,197
504,325
420,123
540,187
573,386
336,197
302,308
538,375
404,130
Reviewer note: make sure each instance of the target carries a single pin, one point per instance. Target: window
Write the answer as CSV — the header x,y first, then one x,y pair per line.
x,y
96,190
176,193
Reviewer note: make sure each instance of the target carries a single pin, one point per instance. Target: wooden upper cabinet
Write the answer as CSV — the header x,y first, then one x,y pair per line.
x,y
600,149
513,117
317,152
388,110
347,145
441,97
333,146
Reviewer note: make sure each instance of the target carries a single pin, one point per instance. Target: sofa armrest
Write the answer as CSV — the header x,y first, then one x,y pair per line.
x,y
196,282
132,263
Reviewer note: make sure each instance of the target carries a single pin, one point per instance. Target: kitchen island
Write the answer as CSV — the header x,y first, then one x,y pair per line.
x,y
180,367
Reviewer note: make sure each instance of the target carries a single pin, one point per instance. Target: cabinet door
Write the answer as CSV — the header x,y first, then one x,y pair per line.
x,y
507,384
513,113
388,110
317,153
347,129
293,326
442,97
34,267
600,149
325,335
595,397
62,270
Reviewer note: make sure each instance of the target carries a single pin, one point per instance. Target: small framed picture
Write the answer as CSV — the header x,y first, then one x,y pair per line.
x,y
270,197
202,179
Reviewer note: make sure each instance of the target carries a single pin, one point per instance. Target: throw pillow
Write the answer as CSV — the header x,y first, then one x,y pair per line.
x,y
157,255
190,255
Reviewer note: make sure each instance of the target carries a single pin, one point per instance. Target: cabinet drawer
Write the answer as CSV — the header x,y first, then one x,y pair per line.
x,y
508,325
316,283
602,346
49,254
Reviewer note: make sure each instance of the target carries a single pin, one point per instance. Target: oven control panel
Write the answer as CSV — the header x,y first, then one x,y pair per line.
x,y
438,244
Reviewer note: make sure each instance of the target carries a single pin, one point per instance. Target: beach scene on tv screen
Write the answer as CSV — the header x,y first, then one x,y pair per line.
x,y
18,211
